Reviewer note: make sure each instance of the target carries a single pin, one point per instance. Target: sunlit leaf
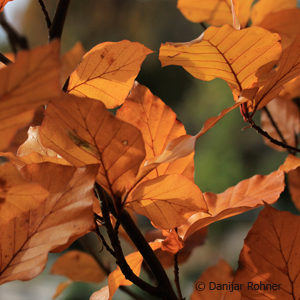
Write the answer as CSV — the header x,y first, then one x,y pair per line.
x,y
244,196
83,132
3,3
214,277
286,115
262,8
78,266
158,125
223,52
34,224
107,72
102,294
214,12
26,84
167,200
291,163
271,256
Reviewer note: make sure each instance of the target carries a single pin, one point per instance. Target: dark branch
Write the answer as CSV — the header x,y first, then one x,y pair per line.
x,y
176,275
45,12
15,39
57,26
4,59
274,124
274,141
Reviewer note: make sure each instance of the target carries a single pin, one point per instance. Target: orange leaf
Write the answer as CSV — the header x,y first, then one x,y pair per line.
x,y
158,125
264,7
83,132
26,84
270,256
294,186
288,69
226,53
214,12
291,163
219,274
167,200
134,260
78,266
70,60
3,3
30,229
61,287
107,72
246,195
185,144
286,115
285,22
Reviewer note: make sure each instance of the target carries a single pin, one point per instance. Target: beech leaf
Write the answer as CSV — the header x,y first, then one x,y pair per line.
x,y
78,266
33,227
246,195
158,125
107,72
32,80
84,132
215,12
3,3
167,200
226,53
271,256
294,186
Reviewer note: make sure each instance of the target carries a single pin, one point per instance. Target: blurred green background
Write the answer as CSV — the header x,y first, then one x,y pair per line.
x,y
227,154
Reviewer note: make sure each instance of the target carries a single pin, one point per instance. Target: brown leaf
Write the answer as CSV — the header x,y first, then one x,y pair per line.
x,y
294,186
107,72
70,60
158,125
61,287
78,266
286,116
102,294
244,196
26,84
270,257
167,200
30,229
291,163
213,277
214,12
83,132
263,8
226,53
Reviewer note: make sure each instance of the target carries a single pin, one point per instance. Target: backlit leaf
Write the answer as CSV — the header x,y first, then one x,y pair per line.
x,y
264,7
102,294
244,196
158,125
107,72
271,256
167,200
3,3
26,84
226,53
291,163
78,266
214,12
83,132
286,116
214,277
30,229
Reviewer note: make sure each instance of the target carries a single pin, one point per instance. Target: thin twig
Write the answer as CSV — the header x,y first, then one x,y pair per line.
x,y
16,40
120,259
277,128
45,12
4,59
57,25
274,141
176,276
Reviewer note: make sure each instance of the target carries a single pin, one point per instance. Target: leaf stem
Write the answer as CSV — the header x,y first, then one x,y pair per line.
x,y
56,29
46,14
16,40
